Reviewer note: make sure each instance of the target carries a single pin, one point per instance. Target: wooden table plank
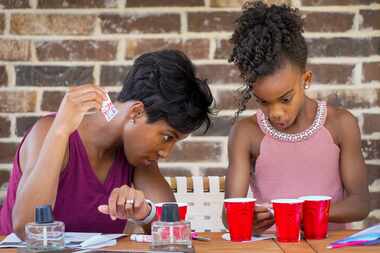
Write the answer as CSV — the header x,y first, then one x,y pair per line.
x,y
296,247
320,246
216,245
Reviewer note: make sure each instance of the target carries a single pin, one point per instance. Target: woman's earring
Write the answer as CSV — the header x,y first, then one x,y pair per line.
x,y
307,86
131,121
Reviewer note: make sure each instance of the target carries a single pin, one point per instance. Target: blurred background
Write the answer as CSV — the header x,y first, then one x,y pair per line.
x,y
48,45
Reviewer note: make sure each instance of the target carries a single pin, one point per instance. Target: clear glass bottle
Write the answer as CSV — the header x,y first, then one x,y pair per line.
x,y
45,234
171,234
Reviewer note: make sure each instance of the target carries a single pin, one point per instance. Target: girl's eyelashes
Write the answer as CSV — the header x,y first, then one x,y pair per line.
x,y
286,100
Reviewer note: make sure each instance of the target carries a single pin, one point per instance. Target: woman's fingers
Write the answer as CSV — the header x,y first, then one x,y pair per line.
x,y
81,89
112,203
126,202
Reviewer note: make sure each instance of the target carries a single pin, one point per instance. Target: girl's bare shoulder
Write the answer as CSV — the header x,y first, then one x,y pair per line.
x,y
340,121
248,131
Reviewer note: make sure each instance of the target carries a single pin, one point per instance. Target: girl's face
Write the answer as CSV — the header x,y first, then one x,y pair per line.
x,y
281,95
146,143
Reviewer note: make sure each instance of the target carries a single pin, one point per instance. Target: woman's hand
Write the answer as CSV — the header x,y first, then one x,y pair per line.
x,y
77,101
263,219
126,203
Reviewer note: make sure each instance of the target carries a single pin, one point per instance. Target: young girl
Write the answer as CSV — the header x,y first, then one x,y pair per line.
x,y
96,173
294,145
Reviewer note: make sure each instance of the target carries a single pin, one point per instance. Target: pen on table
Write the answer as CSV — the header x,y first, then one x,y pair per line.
x,y
341,245
194,236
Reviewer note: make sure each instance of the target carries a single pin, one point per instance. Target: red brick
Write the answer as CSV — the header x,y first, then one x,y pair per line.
x,y
23,124
227,3
14,4
332,73
193,48
113,95
239,3
371,71
223,49
371,149
230,99
220,126
349,99
76,50
17,101
371,19
140,23
4,177
220,73
7,151
162,3
373,173
374,200
113,75
81,4
14,50
3,76
337,2
52,24
2,23
196,152
175,172
220,172
371,123
51,100
344,46
328,21
211,21
27,75
5,125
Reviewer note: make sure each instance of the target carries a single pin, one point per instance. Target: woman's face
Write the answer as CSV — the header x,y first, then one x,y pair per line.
x,y
281,95
146,143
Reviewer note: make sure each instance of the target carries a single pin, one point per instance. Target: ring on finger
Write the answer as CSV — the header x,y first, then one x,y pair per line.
x,y
130,201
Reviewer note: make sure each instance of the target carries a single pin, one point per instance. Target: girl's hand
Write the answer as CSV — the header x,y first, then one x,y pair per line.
x,y
77,101
126,202
263,219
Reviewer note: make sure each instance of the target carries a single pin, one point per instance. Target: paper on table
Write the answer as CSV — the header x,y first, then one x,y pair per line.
x,y
72,240
12,241
99,239
369,236
78,237
227,237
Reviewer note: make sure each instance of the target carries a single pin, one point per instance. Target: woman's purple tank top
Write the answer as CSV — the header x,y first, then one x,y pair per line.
x,y
79,192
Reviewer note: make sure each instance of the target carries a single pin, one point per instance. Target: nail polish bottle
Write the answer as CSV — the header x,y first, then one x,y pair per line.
x,y
171,234
44,234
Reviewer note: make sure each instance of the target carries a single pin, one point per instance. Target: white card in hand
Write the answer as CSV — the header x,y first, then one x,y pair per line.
x,y
108,109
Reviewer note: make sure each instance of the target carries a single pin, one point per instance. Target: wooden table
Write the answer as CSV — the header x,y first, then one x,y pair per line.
x,y
217,244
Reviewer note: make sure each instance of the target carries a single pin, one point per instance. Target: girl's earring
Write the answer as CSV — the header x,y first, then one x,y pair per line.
x,y
307,86
131,121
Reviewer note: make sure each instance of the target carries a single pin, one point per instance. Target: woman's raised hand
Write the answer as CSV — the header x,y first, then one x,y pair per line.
x,y
76,102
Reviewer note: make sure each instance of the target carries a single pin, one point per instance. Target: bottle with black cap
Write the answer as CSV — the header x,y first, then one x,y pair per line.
x,y
44,234
171,234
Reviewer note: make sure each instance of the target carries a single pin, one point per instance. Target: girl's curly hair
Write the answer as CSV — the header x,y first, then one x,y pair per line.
x,y
264,38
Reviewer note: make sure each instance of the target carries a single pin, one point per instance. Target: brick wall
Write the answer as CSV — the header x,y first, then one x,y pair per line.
x,y
48,45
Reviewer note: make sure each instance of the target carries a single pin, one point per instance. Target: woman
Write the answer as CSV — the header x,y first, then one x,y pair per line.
x,y
95,173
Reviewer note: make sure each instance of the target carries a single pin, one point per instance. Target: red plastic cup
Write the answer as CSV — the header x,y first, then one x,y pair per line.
x,y
287,216
240,218
315,216
182,209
